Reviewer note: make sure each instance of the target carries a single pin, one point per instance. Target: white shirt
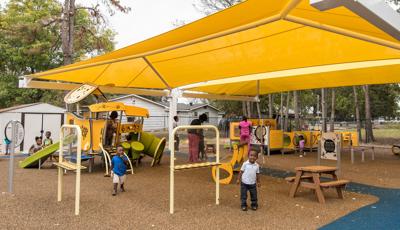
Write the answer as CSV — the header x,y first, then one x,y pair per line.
x,y
249,172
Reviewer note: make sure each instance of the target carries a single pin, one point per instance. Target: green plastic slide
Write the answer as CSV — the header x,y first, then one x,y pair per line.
x,y
33,160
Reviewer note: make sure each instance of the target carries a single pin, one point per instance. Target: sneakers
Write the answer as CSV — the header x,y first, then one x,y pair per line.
x,y
244,208
254,208
114,193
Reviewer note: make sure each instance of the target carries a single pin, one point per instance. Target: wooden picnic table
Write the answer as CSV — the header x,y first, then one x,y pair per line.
x,y
309,177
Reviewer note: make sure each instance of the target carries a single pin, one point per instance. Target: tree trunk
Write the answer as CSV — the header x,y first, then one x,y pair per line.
x,y
244,108
332,128
286,127
323,108
281,113
67,31
357,114
270,104
369,136
248,109
296,110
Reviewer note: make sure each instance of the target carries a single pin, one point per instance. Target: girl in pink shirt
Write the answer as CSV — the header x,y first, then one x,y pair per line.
x,y
245,132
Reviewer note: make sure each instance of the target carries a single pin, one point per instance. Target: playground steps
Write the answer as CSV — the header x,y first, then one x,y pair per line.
x,y
68,166
196,165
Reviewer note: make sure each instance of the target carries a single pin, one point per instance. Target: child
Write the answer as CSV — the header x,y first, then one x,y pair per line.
x,y
47,142
301,146
118,169
245,131
36,147
249,179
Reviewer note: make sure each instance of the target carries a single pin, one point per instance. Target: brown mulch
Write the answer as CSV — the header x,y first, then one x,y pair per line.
x,y
145,204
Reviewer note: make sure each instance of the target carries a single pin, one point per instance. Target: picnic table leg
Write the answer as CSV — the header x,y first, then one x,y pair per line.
x,y
318,190
296,184
339,189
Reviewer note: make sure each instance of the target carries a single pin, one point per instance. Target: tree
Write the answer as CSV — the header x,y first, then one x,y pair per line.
x,y
357,113
296,110
270,105
30,42
332,121
208,7
324,110
69,12
369,136
286,124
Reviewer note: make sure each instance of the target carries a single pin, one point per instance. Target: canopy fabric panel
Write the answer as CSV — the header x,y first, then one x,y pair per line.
x,y
253,37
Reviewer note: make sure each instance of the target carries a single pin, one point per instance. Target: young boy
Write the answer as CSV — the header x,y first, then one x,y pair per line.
x,y
249,179
47,142
118,169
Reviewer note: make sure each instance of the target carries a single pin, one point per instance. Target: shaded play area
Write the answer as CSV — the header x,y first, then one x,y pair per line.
x,y
254,48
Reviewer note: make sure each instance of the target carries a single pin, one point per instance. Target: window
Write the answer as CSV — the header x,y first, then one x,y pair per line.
x,y
195,114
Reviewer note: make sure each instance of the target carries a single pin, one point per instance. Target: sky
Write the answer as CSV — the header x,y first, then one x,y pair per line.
x,y
148,18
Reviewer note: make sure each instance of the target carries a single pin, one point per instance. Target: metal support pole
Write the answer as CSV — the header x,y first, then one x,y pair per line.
x,y
362,155
173,101
352,154
373,153
12,153
319,153
339,157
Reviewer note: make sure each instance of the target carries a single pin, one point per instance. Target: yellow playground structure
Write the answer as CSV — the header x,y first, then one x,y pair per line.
x,y
104,125
280,140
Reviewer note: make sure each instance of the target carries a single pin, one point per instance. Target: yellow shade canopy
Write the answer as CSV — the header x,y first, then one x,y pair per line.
x,y
281,44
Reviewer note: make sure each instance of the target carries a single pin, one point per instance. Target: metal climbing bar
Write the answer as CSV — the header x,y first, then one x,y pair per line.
x,y
174,167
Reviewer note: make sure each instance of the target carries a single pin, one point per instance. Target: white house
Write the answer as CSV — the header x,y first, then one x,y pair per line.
x,y
159,111
36,118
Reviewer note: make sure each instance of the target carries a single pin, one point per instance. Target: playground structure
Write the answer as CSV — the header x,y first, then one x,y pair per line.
x,y
174,167
238,157
289,141
88,108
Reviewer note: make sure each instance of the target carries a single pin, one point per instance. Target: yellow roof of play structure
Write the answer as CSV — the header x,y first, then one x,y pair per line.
x,y
119,106
283,44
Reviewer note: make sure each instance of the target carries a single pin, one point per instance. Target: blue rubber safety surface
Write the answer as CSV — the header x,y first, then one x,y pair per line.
x,y
385,214
16,155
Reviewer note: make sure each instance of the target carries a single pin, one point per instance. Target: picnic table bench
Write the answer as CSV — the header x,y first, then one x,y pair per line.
x,y
309,177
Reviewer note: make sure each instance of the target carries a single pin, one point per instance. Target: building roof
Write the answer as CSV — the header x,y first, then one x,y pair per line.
x,y
45,108
18,107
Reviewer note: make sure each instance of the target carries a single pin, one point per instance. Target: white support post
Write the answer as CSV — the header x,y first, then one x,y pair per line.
x,y
362,155
173,102
12,155
373,153
352,154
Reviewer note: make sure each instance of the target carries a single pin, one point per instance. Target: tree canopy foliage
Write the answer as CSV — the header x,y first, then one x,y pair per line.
x,y
30,42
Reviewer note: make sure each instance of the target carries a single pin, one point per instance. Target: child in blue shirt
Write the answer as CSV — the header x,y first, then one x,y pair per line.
x,y
249,179
118,169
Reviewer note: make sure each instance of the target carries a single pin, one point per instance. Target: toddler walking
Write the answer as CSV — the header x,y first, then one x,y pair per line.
x,y
118,169
249,179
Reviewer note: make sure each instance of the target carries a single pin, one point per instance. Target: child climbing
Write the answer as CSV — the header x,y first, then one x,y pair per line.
x,y
245,131
249,179
118,169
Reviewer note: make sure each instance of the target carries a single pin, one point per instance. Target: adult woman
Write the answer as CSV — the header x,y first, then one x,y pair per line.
x,y
195,136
